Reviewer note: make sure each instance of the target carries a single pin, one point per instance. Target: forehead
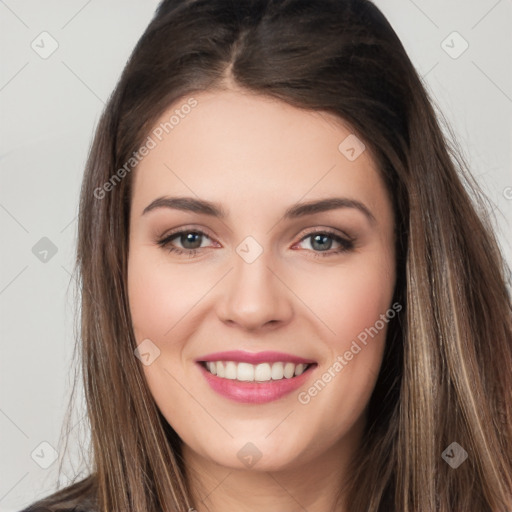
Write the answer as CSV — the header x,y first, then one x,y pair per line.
x,y
235,144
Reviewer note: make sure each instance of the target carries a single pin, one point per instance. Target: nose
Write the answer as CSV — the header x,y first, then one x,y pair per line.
x,y
254,295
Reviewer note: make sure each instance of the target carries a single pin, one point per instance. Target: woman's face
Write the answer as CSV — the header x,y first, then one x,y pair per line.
x,y
275,278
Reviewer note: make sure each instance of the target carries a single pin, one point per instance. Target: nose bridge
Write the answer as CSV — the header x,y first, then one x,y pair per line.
x,y
254,295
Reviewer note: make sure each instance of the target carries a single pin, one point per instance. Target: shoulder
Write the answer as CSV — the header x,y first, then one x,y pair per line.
x,y
78,497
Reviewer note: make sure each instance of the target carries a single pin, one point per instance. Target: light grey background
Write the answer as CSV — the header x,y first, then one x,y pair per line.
x,y
48,111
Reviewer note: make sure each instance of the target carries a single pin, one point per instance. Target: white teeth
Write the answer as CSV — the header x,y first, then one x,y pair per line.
x,y
262,372
299,369
277,371
245,372
230,370
220,369
289,370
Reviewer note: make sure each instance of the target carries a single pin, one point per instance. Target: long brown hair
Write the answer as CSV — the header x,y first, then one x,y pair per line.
x,y
446,375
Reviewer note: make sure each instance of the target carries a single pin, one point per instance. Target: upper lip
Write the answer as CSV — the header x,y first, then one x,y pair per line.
x,y
240,356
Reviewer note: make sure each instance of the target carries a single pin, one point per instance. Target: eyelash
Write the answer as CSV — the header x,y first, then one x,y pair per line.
x,y
346,244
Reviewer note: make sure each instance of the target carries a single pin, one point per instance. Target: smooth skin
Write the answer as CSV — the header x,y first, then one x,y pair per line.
x,y
255,157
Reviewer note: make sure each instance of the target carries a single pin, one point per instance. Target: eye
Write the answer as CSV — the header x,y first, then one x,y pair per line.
x,y
191,242
190,239
321,243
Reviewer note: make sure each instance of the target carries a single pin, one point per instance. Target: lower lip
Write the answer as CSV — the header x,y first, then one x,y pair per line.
x,y
255,392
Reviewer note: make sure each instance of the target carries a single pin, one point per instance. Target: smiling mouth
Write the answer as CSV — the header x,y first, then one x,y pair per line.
x,y
263,372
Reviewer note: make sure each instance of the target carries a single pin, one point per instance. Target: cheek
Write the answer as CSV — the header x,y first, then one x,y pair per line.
x,y
347,315
158,295
354,302
161,300
350,298
366,295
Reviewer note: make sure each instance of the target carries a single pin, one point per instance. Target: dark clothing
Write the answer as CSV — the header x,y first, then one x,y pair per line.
x,y
36,507
77,497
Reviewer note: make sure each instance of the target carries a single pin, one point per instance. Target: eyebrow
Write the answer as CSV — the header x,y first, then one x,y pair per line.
x,y
191,204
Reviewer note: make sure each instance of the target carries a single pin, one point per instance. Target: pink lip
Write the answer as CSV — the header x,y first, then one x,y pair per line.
x,y
254,392
239,356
